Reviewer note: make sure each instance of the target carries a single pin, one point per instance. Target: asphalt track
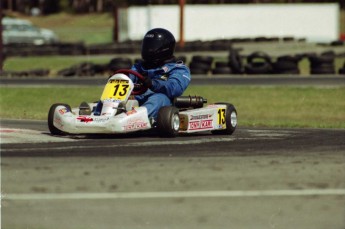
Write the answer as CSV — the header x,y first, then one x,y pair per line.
x,y
255,178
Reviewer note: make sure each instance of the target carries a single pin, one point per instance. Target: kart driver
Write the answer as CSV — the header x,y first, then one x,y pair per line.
x,y
165,76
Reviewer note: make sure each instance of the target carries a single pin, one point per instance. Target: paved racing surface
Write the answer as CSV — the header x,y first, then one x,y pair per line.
x,y
256,178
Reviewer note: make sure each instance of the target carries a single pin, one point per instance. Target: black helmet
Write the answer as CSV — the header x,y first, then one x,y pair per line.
x,y
158,45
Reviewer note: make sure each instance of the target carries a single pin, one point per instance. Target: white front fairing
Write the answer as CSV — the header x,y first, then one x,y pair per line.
x,y
130,121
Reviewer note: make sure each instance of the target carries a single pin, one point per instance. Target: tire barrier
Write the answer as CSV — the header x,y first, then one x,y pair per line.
x,y
45,50
255,63
83,69
79,48
91,69
234,63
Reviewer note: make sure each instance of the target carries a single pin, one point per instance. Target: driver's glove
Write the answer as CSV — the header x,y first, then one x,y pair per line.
x,y
147,82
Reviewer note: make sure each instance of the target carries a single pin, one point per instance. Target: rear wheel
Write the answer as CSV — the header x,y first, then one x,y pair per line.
x,y
168,121
230,120
53,130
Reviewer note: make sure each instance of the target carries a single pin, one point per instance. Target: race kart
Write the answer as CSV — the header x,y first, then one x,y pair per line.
x,y
117,112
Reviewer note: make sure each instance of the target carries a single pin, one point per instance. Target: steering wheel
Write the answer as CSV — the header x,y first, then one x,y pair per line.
x,y
138,88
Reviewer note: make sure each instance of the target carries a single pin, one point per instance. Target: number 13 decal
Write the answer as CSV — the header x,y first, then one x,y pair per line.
x,y
123,91
221,116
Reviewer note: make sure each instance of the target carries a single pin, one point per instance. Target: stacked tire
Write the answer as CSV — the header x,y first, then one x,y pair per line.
x,y
323,63
201,64
221,68
119,63
258,63
286,65
235,62
83,69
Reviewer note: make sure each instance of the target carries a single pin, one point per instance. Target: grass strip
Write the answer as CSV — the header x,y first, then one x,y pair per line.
x,y
277,106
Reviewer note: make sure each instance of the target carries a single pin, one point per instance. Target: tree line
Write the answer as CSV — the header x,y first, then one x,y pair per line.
x,y
46,7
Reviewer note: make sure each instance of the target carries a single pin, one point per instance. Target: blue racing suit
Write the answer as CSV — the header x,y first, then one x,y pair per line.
x,y
168,81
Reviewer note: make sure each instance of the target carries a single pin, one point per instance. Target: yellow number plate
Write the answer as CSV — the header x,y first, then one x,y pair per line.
x,y
116,89
222,117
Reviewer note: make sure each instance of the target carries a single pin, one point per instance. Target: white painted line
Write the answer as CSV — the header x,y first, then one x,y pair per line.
x,y
10,135
177,194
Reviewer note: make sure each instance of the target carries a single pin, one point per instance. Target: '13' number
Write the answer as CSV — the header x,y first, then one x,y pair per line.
x,y
221,116
121,92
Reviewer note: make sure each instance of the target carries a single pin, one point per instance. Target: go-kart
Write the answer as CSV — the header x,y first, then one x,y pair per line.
x,y
117,112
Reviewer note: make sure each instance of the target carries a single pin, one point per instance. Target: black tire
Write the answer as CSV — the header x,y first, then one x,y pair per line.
x,y
288,58
199,71
230,120
258,68
67,72
221,64
341,71
221,70
282,65
119,63
200,65
235,62
259,56
318,60
168,121
53,130
203,59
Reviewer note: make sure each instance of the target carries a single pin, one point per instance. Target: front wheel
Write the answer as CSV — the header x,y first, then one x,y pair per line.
x,y
53,130
168,121
230,120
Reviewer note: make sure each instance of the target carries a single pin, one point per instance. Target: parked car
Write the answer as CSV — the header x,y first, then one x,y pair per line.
x,y
24,32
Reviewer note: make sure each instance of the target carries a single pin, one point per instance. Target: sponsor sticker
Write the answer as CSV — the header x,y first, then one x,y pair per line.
x,y
136,125
63,111
87,119
199,117
131,112
200,124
